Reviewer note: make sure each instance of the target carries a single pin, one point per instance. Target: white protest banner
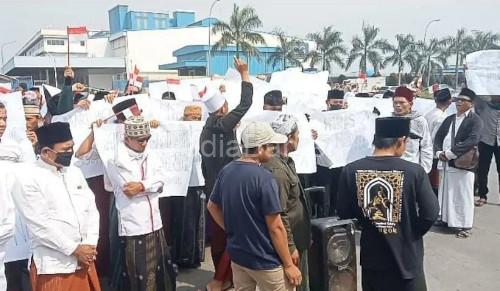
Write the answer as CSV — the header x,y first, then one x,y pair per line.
x,y
79,121
172,110
14,104
344,135
181,89
15,132
172,142
196,178
385,107
304,92
483,72
304,156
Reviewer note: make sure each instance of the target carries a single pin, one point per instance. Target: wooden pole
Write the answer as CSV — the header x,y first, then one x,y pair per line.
x,y
68,43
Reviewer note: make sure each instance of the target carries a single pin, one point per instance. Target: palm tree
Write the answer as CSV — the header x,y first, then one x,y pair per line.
x,y
401,53
329,48
430,56
483,41
287,52
368,49
457,45
240,31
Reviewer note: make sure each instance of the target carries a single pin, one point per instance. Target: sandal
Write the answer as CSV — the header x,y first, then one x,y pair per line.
x,y
464,233
480,202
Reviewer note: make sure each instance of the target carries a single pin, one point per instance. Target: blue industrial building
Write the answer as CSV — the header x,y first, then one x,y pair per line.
x,y
192,61
121,19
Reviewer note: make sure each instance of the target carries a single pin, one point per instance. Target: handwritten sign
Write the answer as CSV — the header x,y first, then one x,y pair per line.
x,y
483,72
172,142
304,156
344,135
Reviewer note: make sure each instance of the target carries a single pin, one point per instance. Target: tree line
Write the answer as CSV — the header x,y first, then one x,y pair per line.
x,y
367,48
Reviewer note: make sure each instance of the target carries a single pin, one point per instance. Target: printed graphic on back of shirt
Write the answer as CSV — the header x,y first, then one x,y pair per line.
x,y
380,197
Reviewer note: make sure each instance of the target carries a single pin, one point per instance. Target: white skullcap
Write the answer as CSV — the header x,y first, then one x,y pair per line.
x,y
213,100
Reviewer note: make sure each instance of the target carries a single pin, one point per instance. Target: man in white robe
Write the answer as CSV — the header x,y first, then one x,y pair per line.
x,y
59,210
138,177
7,219
18,249
458,135
434,119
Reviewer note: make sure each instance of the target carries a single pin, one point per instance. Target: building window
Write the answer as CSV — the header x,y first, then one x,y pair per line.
x,y
160,21
58,42
118,43
82,43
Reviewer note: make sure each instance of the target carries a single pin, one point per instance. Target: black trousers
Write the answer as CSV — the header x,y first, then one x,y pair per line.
x,y
187,230
18,276
486,153
390,280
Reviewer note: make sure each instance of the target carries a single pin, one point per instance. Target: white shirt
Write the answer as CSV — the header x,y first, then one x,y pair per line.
x,y
60,212
419,150
140,214
7,220
435,118
18,247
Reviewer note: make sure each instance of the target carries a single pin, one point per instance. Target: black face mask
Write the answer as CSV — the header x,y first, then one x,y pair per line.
x,y
63,158
334,107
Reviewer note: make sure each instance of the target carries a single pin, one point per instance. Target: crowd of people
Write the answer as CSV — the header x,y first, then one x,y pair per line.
x,y
63,229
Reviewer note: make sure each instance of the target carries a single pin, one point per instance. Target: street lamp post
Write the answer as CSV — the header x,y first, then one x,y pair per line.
x,y
428,55
209,57
4,45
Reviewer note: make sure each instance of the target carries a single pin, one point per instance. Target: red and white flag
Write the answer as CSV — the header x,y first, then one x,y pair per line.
x,y
76,34
134,80
138,82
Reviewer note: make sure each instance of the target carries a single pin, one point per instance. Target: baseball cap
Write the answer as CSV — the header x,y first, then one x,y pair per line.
x,y
259,133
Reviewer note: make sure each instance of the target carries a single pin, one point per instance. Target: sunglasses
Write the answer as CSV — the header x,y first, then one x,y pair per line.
x,y
458,99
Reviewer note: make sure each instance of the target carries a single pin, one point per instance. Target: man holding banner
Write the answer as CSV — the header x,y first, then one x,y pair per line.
x,y
218,147
327,175
138,178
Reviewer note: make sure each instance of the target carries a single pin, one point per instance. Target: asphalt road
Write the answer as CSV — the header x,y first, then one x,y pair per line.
x,y
451,264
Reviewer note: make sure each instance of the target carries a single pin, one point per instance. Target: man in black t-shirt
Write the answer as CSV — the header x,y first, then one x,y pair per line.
x,y
245,203
396,206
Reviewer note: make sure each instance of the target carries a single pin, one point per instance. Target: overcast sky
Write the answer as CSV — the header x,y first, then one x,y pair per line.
x,y
20,19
